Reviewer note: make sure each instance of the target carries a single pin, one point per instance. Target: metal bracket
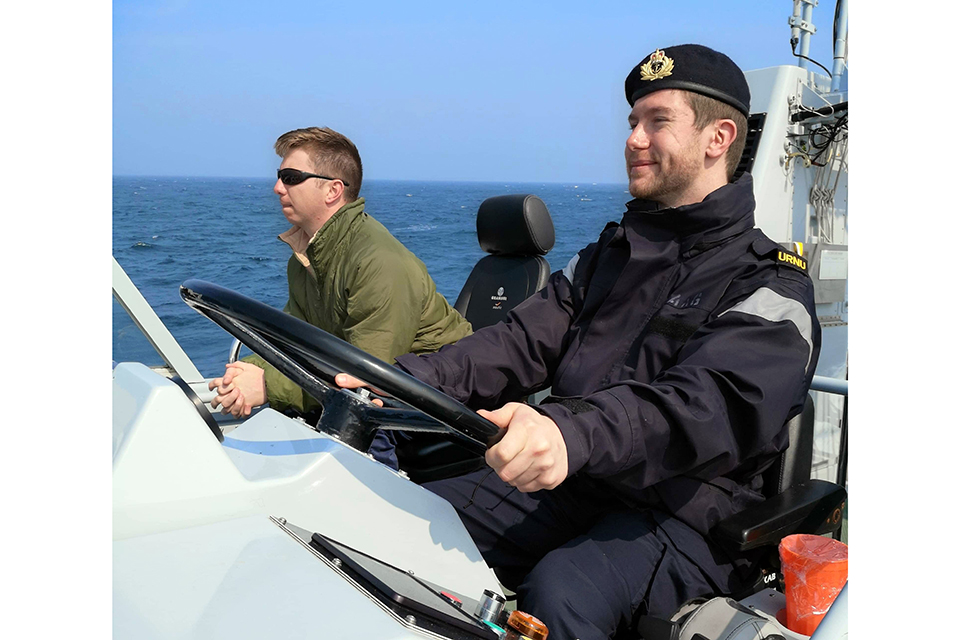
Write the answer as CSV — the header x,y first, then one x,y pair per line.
x,y
234,352
802,24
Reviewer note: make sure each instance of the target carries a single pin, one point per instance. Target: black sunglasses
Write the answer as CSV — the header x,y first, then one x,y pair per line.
x,y
291,177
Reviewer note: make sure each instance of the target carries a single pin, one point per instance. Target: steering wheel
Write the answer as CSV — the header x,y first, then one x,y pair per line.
x,y
312,357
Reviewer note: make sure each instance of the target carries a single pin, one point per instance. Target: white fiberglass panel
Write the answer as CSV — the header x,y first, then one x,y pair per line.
x,y
773,185
171,473
243,578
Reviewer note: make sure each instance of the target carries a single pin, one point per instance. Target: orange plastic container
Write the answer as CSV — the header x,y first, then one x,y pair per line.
x,y
814,572
523,626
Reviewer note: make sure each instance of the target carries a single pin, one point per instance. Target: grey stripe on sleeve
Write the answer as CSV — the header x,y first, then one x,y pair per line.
x,y
770,305
571,266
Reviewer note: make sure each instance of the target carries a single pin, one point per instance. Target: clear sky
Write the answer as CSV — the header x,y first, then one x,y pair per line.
x,y
503,91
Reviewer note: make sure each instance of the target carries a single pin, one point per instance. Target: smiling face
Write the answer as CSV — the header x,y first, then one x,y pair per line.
x,y
665,153
304,204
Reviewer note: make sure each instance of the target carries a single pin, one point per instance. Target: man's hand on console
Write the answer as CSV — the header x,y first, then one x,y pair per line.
x,y
532,454
241,388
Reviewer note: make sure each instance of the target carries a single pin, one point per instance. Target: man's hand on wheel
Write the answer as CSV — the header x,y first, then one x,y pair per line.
x,y
346,381
532,454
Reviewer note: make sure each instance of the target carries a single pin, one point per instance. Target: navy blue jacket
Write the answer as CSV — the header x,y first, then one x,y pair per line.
x,y
677,346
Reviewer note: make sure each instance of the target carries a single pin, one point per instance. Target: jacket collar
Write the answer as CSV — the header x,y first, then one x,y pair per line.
x,y
329,234
298,240
724,213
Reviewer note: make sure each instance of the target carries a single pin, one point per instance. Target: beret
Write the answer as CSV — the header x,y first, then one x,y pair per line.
x,y
690,67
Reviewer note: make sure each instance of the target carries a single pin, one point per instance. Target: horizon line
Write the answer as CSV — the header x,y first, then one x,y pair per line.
x,y
545,182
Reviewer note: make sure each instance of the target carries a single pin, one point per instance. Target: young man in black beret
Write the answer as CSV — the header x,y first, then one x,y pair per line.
x,y
676,346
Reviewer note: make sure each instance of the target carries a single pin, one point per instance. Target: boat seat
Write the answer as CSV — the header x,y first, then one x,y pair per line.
x,y
516,231
795,504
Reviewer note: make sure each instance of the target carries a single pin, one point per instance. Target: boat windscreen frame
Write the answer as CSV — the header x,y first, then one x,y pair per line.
x,y
151,326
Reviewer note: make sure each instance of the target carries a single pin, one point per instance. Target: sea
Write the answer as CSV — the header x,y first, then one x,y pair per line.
x,y
224,230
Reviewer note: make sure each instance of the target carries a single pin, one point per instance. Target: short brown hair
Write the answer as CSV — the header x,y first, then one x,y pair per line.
x,y
707,110
332,154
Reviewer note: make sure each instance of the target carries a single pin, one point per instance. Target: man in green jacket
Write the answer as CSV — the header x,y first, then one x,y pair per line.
x,y
347,275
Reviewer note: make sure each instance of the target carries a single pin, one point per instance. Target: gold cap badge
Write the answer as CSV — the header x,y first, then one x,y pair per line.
x,y
659,66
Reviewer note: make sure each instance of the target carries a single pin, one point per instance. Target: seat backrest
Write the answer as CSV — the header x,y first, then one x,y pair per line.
x,y
517,231
796,462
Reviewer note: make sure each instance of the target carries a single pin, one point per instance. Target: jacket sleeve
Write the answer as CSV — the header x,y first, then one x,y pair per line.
x,y
724,401
506,361
282,392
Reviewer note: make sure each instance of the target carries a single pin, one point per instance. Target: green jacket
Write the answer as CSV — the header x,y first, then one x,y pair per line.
x,y
363,286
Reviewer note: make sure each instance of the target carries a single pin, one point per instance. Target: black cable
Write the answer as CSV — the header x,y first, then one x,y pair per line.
x,y
793,50
474,494
821,138
835,129
822,148
828,110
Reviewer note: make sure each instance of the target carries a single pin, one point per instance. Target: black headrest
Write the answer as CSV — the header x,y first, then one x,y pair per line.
x,y
517,224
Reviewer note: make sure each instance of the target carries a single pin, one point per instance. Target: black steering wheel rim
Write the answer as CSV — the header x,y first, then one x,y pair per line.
x,y
324,355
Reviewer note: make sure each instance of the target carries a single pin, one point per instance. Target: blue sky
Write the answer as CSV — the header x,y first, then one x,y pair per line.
x,y
504,91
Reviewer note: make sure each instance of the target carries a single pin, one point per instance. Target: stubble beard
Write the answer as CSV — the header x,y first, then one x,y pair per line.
x,y
667,187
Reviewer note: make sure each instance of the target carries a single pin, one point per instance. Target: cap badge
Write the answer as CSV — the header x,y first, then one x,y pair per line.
x,y
659,66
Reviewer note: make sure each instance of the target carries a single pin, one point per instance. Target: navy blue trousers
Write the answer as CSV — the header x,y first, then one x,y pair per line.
x,y
384,448
581,560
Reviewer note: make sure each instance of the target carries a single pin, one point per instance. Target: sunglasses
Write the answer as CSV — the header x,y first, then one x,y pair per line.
x,y
291,177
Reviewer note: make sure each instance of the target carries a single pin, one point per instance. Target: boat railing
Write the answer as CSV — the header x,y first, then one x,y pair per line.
x,y
829,385
838,387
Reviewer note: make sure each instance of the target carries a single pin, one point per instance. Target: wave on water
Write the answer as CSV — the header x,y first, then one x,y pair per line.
x,y
226,230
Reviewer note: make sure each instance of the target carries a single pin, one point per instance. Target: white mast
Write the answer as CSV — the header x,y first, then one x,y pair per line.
x,y
839,45
801,23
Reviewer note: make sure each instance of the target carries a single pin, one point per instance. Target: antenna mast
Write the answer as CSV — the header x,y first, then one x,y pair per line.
x,y
801,28
839,44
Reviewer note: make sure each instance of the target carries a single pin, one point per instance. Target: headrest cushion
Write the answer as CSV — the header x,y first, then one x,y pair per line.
x,y
517,224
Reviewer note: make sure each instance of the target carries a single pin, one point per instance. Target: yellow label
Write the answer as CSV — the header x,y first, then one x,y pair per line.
x,y
789,258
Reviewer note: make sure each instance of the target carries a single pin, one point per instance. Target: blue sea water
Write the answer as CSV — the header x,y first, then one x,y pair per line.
x,y
224,230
